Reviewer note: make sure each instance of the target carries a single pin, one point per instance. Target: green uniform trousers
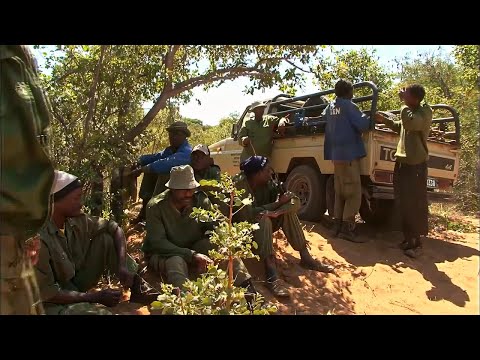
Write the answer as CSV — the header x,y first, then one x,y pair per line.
x,y
177,270
348,189
101,258
290,225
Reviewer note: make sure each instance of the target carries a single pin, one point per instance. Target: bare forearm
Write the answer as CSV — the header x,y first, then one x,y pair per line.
x,y
72,297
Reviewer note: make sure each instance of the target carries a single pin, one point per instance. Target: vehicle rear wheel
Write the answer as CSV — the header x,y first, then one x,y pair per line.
x,y
309,185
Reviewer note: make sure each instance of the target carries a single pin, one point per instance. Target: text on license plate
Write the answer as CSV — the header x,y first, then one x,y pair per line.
x,y
431,183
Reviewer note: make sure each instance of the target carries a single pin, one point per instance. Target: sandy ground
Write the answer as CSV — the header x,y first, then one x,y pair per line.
x,y
374,277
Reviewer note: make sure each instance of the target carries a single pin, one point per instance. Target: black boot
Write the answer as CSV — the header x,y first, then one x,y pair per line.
x,y
348,232
141,292
415,248
337,227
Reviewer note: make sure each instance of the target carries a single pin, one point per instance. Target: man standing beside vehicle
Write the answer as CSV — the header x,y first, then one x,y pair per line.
x,y
410,174
256,134
345,147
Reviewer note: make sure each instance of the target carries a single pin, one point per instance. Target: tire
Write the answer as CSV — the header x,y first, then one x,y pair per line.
x,y
376,211
330,195
309,185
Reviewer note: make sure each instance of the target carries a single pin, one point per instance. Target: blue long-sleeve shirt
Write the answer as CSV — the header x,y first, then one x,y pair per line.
x,y
162,162
343,132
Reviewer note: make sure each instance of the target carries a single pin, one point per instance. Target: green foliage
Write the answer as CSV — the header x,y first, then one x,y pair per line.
x,y
208,295
214,292
356,66
97,93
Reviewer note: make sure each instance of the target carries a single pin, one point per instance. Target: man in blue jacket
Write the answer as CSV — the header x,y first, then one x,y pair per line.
x,y
156,166
344,146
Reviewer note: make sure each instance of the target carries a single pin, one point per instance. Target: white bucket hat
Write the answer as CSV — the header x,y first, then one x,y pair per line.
x,y
182,178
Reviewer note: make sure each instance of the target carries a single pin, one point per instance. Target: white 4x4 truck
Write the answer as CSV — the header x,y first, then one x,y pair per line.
x,y
297,156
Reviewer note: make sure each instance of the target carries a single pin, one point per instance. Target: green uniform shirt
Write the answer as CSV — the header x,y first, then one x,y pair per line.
x,y
413,127
260,134
62,255
263,198
211,173
26,171
171,233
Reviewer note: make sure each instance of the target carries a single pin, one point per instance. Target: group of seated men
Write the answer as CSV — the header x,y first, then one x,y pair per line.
x,y
77,249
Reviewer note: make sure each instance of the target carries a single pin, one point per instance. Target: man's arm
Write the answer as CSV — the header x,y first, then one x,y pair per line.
x,y
157,238
243,134
149,158
26,171
357,118
389,121
163,165
415,121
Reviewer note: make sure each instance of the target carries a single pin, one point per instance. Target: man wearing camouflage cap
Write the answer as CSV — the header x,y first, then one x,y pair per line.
x,y
156,167
256,134
177,245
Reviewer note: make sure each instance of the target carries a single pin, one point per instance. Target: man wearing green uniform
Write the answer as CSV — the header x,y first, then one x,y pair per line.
x,y
203,165
26,177
256,134
77,249
410,173
273,209
176,245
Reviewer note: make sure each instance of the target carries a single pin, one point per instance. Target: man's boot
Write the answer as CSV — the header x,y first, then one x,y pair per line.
x,y
415,249
141,292
337,227
348,232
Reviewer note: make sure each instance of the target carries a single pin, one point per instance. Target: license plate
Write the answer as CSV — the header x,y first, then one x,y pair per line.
x,y
431,183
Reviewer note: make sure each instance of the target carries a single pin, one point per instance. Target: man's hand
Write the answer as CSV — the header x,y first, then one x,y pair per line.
x,y
32,249
107,297
246,141
201,262
136,172
125,277
285,197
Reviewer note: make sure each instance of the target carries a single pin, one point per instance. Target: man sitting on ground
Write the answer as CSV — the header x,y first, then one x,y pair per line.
x,y
77,249
273,209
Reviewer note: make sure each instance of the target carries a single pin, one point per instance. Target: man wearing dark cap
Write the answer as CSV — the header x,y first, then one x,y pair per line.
x,y
273,209
77,249
177,245
26,177
344,146
156,167
256,134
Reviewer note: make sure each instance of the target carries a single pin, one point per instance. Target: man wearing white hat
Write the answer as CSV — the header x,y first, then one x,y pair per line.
x,y
203,165
77,249
176,245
